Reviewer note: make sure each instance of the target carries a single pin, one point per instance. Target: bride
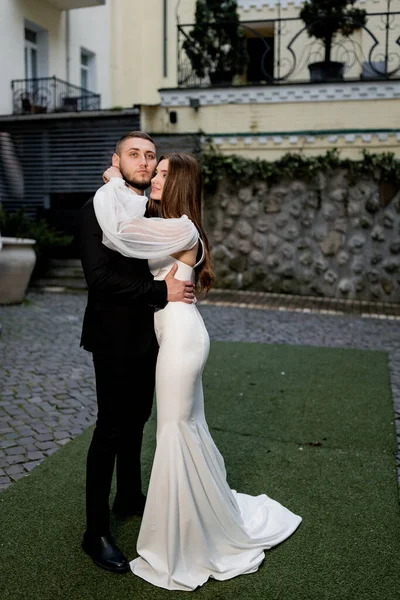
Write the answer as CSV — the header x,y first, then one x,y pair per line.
x,y
194,526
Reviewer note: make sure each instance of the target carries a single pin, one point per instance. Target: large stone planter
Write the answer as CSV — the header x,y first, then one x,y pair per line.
x,y
17,260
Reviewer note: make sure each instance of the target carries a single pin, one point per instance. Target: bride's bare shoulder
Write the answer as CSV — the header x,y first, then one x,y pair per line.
x,y
188,256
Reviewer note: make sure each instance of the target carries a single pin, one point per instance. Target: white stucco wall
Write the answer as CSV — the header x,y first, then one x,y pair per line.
x,y
90,28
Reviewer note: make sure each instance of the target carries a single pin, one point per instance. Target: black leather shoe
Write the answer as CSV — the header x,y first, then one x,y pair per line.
x,y
104,553
124,510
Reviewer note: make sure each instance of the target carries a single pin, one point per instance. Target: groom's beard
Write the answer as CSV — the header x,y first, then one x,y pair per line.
x,y
140,183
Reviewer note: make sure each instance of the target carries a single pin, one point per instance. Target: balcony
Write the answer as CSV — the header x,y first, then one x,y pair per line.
x,y
49,95
280,51
70,4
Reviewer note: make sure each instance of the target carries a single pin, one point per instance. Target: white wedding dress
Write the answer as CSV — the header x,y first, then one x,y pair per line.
x,y
194,526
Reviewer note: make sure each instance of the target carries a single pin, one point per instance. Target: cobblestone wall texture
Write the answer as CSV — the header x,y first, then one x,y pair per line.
x,y
330,237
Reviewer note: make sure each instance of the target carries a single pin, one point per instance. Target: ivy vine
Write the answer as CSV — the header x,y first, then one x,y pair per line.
x,y
216,166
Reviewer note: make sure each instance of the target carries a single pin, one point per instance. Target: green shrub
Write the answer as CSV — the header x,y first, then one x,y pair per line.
x,y
18,224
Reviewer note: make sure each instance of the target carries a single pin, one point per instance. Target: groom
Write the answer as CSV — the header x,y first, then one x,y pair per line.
x,y
118,328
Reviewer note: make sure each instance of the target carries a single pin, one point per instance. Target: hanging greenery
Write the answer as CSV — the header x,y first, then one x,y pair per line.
x,y
216,166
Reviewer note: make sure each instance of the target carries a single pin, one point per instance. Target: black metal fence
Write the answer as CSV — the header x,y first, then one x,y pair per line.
x,y
50,94
280,51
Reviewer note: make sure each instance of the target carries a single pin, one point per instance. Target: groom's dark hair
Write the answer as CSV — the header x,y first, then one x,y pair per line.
x,y
132,134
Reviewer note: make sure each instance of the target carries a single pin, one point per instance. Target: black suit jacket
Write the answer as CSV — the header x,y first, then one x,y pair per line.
x,y
122,295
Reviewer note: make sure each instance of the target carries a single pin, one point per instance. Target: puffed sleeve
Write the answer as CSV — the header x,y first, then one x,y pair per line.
x,y
126,230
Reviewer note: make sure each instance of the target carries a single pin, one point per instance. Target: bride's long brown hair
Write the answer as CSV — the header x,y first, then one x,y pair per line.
x,y
182,196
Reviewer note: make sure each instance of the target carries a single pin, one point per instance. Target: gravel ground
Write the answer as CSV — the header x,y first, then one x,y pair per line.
x,y
47,383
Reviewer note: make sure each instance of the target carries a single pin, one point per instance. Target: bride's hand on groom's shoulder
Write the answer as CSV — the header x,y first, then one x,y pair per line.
x,y
111,172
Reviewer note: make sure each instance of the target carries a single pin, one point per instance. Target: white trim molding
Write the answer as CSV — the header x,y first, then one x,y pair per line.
x,y
270,94
272,4
71,4
287,139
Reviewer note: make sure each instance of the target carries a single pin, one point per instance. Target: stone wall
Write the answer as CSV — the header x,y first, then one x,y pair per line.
x,y
330,237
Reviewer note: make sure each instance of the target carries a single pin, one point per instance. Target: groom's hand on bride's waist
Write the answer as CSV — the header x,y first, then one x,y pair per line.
x,y
179,291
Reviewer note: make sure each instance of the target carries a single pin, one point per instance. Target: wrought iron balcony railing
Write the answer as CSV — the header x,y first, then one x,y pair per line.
x,y
280,51
50,94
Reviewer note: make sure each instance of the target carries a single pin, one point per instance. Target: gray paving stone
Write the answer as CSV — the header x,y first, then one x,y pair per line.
x,y
15,450
35,456
35,399
17,476
51,451
7,444
30,448
11,436
63,442
45,445
29,466
40,428
47,407
76,431
23,441
17,458
59,435
44,437
14,469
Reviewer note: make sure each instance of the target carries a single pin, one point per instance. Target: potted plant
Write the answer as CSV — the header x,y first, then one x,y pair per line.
x,y
18,258
216,46
324,20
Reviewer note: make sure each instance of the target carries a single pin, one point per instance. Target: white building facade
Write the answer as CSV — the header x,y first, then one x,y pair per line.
x,y
50,55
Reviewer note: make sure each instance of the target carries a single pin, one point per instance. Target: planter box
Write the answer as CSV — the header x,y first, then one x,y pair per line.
x,y
326,71
17,260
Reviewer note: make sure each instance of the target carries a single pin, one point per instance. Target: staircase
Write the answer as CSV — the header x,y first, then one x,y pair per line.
x,y
63,275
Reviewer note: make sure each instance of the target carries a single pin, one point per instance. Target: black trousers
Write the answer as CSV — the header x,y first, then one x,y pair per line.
x,y
125,389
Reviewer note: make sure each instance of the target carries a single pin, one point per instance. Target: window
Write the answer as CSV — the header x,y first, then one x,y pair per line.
x,y
35,50
88,75
84,70
88,70
31,54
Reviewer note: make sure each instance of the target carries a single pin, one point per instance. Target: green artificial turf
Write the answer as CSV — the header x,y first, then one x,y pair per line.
x,y
311,427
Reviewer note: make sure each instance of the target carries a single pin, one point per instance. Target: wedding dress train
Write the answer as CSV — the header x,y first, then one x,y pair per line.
x,y
194,526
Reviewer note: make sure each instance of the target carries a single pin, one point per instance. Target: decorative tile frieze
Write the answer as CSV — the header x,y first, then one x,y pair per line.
x,y
283,93
271,4
292,139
